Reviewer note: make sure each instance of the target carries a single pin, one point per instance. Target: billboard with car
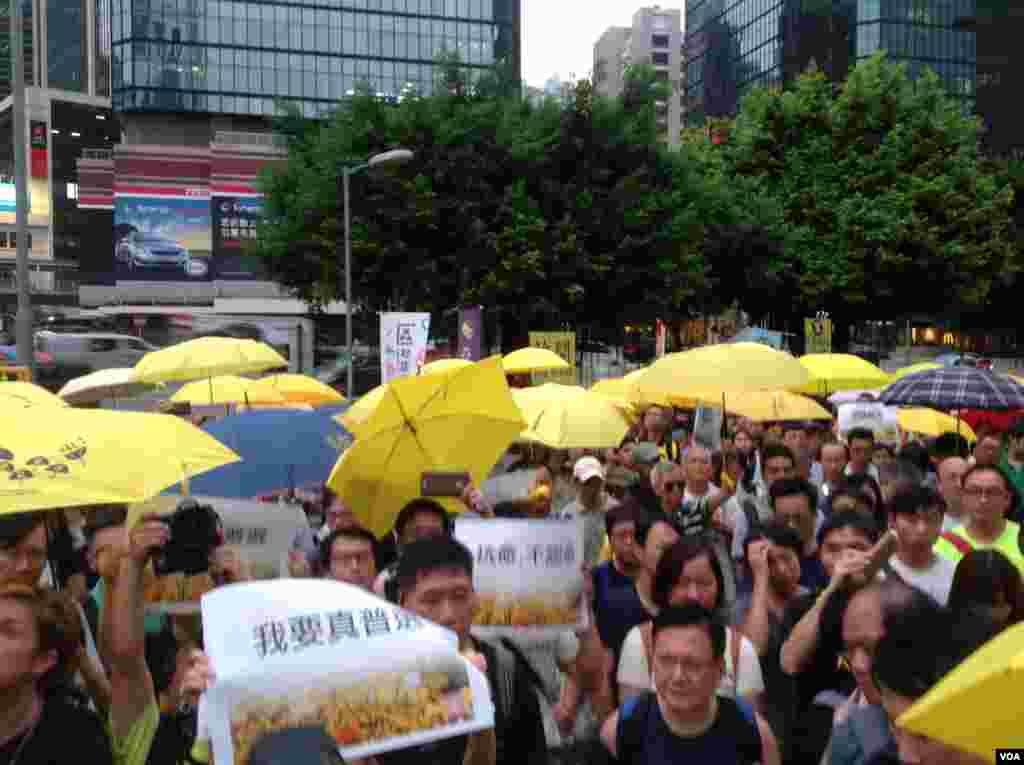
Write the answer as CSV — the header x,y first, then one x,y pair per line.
x,y
162,238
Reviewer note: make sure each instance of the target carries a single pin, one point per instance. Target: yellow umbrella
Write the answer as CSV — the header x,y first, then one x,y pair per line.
x,y
361,409
533,360
570,417
707,373
27,394
444,365
618,387
104,384
226,389
930,422
761,406
977,706
458,422
208,357
300,389
913,369
831,372
56,457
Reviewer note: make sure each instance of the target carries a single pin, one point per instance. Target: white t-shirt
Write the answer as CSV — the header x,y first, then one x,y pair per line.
x,y
936,580
633,669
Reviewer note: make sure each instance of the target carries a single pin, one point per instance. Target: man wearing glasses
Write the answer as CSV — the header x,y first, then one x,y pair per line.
x,y
989,496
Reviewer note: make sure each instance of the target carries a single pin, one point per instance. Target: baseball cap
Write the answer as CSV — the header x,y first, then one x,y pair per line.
x,y
646,453
587,468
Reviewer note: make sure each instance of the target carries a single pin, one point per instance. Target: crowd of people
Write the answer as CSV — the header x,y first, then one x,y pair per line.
x,y
764,599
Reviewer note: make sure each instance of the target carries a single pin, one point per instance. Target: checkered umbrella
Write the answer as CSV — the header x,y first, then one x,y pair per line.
x,y
956,388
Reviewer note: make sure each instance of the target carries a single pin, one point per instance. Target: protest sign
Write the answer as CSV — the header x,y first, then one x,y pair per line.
x,y
297,652
878,418
403,344
262,532
527,573
707,428
508,487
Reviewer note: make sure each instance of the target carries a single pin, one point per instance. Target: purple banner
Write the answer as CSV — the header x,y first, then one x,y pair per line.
x,y
471,333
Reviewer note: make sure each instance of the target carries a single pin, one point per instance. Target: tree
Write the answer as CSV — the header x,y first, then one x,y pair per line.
x,y
881,198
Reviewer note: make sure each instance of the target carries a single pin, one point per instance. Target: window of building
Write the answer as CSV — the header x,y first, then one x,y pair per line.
x,y
659,41
659,59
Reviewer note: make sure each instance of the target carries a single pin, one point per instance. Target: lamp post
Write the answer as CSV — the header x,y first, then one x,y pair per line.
x,y
393,157
23,321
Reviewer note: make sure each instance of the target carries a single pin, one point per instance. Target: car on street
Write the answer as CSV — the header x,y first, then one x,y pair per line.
x,y
138,250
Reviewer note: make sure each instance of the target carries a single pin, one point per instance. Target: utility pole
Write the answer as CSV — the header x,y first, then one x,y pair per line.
x,y
26,350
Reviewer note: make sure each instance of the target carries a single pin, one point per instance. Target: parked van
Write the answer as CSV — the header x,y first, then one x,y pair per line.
x,y
80,353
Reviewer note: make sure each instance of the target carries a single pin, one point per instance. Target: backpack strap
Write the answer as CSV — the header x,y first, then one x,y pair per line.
x,y
962,545
647,637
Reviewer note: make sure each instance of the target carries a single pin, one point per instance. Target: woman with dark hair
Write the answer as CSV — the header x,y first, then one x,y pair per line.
x,y
867,485
689,572
987,582
43,721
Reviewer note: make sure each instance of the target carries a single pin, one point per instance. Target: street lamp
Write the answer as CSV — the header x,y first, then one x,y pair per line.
x,y
393,157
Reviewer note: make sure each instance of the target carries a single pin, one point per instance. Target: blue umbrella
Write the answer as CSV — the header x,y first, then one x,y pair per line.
x,y
280,449
955,388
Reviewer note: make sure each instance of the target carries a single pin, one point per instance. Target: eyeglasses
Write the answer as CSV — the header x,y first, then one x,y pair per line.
x,y
981,492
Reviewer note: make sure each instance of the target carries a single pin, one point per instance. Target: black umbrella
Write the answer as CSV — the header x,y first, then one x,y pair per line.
x,y
956,388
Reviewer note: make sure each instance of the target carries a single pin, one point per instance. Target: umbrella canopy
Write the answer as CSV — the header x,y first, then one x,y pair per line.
x,y
52,457
831,372
362,408
618,387
913,369
976,707
853,396
458,422
300,389
280,449
114,383
570,417
706,373
444,365
208,357
227,389
532,360
933,423
775,406
956,388
20,394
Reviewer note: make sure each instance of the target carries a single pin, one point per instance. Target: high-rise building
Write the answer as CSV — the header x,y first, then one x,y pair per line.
x,y
732,46
655,38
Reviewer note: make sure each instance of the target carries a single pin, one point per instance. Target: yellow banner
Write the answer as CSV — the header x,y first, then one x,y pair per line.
x,y
15,374
562,343
818,335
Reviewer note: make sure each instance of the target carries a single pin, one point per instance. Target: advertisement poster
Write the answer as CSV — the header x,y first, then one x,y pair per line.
x,y
818,335
878,418
162,238
707,428
403,344
262,532
234,222
38,141
562,343
660,338
527,574
471,333
305,652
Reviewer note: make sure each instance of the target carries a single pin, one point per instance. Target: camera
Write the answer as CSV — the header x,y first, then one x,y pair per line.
x,y
196,531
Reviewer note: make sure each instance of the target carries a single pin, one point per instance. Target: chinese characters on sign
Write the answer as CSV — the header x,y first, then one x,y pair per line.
x,y
562,343
298,633
471,330
818,335
403,344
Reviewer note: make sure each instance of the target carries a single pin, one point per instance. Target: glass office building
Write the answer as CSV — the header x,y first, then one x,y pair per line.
x,y
240,56
732,46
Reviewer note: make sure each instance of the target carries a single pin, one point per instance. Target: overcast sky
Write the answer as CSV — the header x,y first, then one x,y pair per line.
x,y
559,35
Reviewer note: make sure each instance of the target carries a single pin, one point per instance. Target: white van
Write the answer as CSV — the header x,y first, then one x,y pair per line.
x,y
87,352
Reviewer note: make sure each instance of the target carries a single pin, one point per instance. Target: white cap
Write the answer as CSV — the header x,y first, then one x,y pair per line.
x,y
587,468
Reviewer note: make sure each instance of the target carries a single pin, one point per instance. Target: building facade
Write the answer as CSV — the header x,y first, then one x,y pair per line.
x,y
732,46
655,38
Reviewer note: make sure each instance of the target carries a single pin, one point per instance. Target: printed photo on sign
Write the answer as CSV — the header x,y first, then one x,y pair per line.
x,y
878,418
527,574
318,653
403,344
165,239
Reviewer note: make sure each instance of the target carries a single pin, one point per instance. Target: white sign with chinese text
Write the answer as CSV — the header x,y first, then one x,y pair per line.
x,y
527,573
707,427
878,418
298,652
403,344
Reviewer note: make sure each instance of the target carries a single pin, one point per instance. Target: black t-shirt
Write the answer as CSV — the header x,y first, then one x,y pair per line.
x,y
617,606
65,732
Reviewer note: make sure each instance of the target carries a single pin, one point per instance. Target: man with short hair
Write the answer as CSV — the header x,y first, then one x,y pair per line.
x,y
655,533
683,719
617,607
915,514
795,503
700,497
861,443
988,450
1013,460
794,438
590,505
773,554
643,457
951,475
421,518
833,468
988,499
435,581
744,510
347,556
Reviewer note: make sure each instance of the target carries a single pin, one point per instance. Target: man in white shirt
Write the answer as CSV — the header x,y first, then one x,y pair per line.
x,y
915,514
861,443
951,475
